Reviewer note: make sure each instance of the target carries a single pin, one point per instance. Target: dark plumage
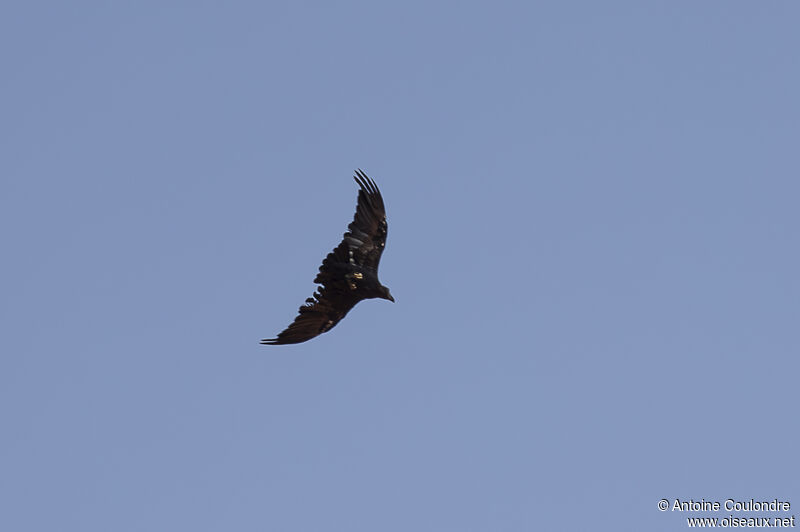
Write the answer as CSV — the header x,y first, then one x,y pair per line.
x,y
348,274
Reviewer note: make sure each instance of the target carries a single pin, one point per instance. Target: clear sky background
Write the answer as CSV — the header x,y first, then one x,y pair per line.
x,y
593,244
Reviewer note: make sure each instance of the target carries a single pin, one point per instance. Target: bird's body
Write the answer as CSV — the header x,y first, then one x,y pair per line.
x,y
348,274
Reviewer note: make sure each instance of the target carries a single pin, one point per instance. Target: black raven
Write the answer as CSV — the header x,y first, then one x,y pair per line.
x,y
348,274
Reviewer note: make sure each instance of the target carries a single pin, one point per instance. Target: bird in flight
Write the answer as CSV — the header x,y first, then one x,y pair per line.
x,y
348,274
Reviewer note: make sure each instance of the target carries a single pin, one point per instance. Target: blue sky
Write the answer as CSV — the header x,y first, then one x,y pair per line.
x,y
592,244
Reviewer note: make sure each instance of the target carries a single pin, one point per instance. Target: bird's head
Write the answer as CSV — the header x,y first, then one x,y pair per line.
x,y
385,294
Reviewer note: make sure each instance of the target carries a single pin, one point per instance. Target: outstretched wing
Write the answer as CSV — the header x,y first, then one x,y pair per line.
x,y
331,302
366,237
315,318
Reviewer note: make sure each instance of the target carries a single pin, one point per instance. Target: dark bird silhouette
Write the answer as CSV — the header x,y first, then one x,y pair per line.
x,y
348,274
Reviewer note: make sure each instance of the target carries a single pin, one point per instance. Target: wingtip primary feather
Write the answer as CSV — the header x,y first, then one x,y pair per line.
x,y
365,182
